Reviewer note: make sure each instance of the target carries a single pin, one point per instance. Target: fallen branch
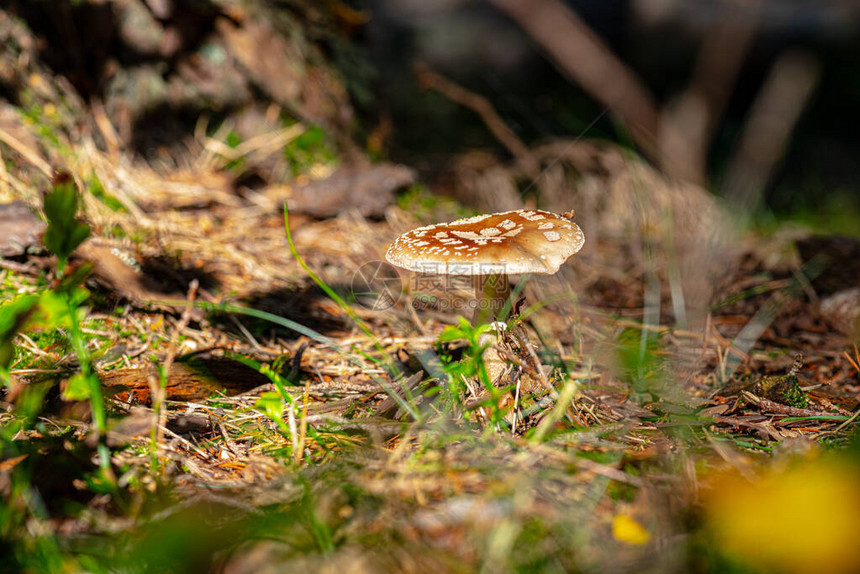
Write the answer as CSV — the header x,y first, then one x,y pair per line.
x,y
767,405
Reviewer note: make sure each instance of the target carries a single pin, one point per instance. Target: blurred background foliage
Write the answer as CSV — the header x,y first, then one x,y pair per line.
x,y
157,66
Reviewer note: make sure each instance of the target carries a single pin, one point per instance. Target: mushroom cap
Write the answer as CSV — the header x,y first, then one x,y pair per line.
x,y
521,241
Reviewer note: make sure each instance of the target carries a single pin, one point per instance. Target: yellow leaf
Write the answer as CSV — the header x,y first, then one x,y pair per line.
x,y
626,529
804,519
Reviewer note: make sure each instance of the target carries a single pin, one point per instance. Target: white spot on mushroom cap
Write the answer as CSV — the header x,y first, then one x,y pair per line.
x,y
531,215
470,235
470,220
490,232
507,224
547,225
551,235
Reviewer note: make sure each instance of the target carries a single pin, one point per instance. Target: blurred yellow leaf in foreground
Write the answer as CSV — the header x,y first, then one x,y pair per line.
x,y
804,519
626,529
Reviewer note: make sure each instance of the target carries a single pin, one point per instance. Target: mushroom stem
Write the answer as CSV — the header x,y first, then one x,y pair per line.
x,y
491,294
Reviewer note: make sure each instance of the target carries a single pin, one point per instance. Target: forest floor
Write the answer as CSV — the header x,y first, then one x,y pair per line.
x,y
273,407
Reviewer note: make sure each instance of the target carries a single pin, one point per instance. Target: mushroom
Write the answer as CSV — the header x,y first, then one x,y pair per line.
x,y
489,247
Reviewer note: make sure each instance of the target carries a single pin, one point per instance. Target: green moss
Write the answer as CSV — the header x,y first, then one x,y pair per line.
x,y
96,188
784,390
838,213
429,207
9,286
310,148
233,140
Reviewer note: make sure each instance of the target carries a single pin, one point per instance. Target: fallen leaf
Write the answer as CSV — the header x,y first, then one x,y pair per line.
x,y
804,519
20,229
626,529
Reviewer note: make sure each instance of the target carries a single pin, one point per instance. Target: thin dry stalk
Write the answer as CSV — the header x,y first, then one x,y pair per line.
x,y
855,360
106,128
33,157
157,390
688,122
298,454
5,187
774,114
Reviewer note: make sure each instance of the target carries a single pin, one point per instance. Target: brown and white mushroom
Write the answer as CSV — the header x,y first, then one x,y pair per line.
x,y
489,248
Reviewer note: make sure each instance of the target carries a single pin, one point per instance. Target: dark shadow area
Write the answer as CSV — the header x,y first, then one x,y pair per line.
x,y
166,275
53,464
307,306
82,41
122,55
114,282
192,378
76,40
165,129
835,261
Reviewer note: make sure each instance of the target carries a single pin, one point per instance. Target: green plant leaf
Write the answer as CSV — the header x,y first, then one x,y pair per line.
x,y
270,404
52,312
13,316
74,278
451,333
64,233
78,388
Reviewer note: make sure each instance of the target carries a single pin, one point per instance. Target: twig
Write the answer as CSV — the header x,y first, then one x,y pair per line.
x,y
4,177
481,106
767,405
36,371
523,343
516,407
848,422
31,345
688,122
298,454
774,114
31,155
105,127
754,426
244,331
589,61
189,445
855,361
157,389
23,268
